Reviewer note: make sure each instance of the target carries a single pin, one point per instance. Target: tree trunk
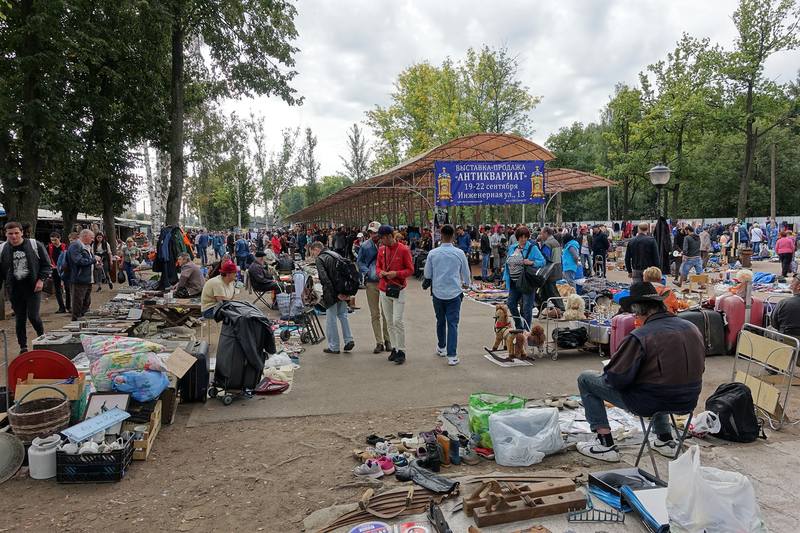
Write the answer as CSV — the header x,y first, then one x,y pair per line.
x,y
626,185
176,119
109,224
749,152
69,215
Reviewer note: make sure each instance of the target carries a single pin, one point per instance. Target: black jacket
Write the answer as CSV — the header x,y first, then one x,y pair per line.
x,y
326,268
38,267
486,248
245,342
599,243
641,253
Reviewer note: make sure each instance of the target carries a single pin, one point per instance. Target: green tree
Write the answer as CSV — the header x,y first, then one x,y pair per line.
x,y
331,184
357,162
308,167
249,46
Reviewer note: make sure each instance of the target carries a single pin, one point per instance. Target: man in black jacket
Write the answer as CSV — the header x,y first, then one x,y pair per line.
x,y
486,252
641,253
600,246
260,278
24,267
334,302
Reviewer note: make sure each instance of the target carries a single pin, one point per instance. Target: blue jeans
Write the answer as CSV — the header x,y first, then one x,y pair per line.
x,y
337,310
130,273
203,253
594,390
689,263
485,266
448,313
515,298
756,248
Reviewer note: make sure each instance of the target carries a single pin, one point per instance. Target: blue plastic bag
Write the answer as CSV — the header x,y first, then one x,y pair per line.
x,y
142,385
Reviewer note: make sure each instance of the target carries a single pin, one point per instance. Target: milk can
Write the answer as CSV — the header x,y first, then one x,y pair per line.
x,y
42,457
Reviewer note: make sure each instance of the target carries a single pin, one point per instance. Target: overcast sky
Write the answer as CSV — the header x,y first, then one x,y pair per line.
x,y
572,53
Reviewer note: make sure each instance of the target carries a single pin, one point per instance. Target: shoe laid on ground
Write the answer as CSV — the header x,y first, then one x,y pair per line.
x,y
349,347
378,348
400,460
441,352
328,350
386,464
468,456
392,355
387,347
595,450
453,361
385,448
486,453
399,358
370,469
667,448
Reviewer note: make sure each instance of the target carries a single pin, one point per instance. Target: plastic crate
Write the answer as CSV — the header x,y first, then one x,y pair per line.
x,y
94,467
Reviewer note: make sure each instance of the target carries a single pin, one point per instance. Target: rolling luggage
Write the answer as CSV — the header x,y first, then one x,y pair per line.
x,y
733,308
621,325
285,263
194,384
712,327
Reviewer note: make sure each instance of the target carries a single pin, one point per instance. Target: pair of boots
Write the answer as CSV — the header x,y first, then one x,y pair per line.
x,y
440,449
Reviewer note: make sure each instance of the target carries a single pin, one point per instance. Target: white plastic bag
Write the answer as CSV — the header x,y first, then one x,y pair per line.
x,y
278,359
522,437
705,423
705,499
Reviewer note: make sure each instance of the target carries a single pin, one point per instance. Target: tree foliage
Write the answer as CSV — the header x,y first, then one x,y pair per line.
x,y
357,161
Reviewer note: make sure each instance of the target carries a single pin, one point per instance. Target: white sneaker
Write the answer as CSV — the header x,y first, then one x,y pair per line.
x,y
453,361
667,448
595,450
369,469
441,352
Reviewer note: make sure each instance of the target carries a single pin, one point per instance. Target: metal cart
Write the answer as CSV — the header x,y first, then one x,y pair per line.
x,y
552,325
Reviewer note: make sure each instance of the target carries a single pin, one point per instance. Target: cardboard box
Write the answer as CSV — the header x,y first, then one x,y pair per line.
x,y
74,391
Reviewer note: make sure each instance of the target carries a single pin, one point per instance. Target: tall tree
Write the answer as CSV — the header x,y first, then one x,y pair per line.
x,y
764,28
278,171
249,46
308,167
357,162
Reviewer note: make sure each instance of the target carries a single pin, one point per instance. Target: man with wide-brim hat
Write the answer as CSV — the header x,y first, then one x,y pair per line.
x,y
657,368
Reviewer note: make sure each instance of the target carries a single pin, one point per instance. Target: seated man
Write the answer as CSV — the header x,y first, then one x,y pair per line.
x,y
190,283
218,289
260,277
786,315
658,367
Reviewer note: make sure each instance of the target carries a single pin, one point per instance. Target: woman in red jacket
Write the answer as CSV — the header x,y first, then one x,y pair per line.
x,y
394,267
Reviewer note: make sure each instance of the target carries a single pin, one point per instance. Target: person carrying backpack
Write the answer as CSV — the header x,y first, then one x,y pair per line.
x,y
337,287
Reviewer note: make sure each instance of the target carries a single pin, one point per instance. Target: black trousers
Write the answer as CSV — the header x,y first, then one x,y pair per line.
x,y
26,304
58,290
81,299
786,263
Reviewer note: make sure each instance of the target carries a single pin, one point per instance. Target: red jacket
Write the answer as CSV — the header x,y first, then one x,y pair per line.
x,y
398,259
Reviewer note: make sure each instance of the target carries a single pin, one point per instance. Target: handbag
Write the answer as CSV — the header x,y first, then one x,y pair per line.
x,y
393,291
530,279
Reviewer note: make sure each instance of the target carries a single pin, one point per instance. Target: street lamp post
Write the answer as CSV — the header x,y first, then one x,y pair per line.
x,y
659,176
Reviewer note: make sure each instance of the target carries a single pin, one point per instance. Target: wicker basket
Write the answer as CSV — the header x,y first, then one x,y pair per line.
x,y
39,418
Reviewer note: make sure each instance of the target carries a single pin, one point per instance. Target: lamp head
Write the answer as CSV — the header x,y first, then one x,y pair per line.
x,y
659,175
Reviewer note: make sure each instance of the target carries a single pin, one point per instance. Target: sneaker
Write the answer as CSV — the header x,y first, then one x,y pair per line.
x,y
595,450
370,469
328,350
387,347
392,355
385,448
378,348
399,358
349,347
386,464
400,460
468,456
667,448
453,361
441,352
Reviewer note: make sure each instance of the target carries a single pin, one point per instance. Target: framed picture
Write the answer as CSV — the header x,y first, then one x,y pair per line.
x,y
100,402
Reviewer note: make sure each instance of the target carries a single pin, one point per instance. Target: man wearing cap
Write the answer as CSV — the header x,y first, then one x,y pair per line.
x,y
218,289
260,278
657,368
367,261
394,267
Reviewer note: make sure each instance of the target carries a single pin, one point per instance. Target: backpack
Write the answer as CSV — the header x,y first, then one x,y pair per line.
x,y
733,403
346,279
62,265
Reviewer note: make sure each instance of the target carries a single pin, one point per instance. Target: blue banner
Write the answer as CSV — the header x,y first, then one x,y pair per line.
x,y
488,182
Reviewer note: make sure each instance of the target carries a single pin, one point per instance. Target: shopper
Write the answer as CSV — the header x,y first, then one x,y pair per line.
x,y
641,253
82,263
705,245
202,246
486,252
242,252
367,262
463,241
691,254
130,260
522,253
448,271
599,247
570,260
784,247
334,301
102,249
24,267
756,238
54,251
218,289
495,240
394,267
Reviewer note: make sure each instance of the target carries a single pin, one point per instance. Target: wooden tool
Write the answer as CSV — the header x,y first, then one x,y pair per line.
x,y
544,488
508,502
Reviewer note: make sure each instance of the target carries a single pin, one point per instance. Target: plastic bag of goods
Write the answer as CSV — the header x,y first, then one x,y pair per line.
x,y
523,437
96,346
484,404
142,385
701,498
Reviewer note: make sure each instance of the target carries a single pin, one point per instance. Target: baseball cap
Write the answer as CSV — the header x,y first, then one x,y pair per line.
x,y
385,229
374,226
360,235
227,268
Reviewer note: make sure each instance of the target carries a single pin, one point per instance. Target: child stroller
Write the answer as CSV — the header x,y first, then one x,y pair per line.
x,y
245,342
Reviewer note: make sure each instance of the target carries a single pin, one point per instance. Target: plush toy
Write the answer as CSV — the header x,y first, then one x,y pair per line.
x,y
502,324
576,308
515,344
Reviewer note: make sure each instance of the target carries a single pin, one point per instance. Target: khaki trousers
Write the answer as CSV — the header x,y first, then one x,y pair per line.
x,y
373,300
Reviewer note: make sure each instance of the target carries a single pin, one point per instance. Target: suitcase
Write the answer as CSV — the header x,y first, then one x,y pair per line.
x,y
285,263
193,385
621,325
712,327
733,308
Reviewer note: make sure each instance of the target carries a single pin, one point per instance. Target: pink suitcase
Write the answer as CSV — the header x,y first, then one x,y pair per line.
x,y
621,325
733,307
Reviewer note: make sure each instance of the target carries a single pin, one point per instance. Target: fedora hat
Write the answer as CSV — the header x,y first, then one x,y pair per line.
x,y
640,292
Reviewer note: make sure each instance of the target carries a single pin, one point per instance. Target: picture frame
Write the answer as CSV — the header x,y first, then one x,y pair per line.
x,y
104,400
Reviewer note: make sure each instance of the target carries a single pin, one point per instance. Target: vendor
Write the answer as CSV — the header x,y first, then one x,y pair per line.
x,y
190,283
786,315
654,275
218,289
258,273
658,367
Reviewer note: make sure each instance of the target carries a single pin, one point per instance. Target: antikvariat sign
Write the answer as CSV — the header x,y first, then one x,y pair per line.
x,y
489,182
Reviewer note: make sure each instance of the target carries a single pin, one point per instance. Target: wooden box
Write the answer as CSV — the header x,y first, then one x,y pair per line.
x,y
143,447
72,390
